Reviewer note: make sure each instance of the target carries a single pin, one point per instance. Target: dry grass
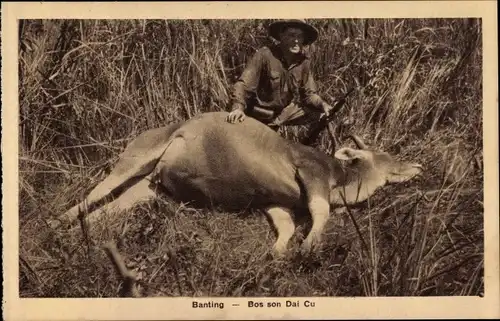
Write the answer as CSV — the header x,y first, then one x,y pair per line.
x,y
89,87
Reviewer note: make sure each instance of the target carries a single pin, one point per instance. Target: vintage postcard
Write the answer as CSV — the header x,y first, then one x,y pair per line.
x,y
247,160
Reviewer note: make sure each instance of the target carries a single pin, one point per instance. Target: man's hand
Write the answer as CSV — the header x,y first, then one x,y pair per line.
x,y
327,109
236,115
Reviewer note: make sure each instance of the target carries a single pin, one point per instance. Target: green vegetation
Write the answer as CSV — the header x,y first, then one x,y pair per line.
x,y
87,87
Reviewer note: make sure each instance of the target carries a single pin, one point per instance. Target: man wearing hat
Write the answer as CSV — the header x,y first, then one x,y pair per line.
x,y
277,87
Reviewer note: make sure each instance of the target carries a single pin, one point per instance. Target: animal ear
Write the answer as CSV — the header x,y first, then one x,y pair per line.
x,y
347,153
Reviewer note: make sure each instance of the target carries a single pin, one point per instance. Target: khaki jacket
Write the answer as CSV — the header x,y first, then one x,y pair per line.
x,y
266,86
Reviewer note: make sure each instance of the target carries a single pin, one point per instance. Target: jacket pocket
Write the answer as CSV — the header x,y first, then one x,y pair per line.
x,y
275,79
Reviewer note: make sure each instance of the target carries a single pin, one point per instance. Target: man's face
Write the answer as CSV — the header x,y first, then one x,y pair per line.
x,y
292,40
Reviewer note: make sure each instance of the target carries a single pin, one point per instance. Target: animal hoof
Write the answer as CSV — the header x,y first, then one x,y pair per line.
x,y
308,248
54,224
273,256
278,253
305,249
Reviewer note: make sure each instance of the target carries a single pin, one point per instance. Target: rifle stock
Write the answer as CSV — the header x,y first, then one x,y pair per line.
x,y
314,132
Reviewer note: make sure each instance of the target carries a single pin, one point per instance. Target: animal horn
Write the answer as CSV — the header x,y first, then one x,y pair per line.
x,y
358,142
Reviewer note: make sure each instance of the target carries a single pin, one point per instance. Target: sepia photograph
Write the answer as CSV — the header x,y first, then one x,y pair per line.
x,y
251,162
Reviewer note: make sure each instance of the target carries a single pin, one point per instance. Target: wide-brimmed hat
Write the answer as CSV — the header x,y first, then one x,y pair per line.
x,y
310,33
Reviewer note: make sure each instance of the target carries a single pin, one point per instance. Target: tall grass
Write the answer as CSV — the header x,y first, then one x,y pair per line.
x,y
87,87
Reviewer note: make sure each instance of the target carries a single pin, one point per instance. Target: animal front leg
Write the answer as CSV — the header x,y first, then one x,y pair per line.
x,y
319,209
283,222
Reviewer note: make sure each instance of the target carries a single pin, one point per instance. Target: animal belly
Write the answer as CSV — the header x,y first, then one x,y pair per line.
x,y
225,193
232,193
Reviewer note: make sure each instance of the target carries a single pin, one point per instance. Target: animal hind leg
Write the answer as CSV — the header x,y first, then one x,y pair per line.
x,y
141,192
285,227
105,189
137,161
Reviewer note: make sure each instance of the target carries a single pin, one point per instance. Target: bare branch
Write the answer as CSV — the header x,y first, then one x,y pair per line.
x,y
129,288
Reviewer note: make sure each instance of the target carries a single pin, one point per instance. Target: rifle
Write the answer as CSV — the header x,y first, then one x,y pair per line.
x,y
325,120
